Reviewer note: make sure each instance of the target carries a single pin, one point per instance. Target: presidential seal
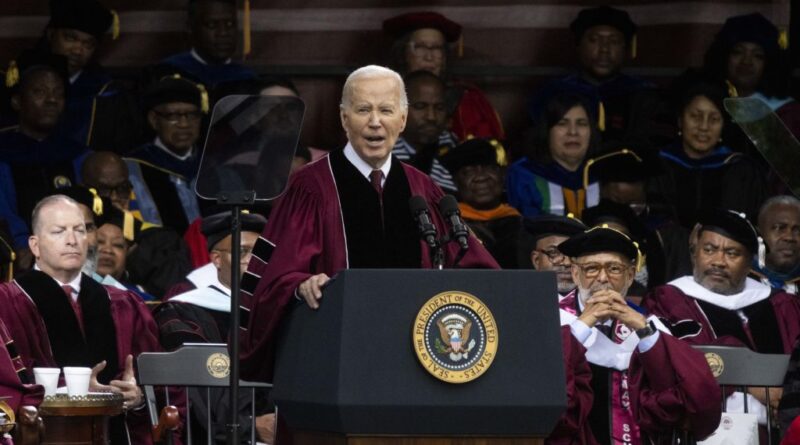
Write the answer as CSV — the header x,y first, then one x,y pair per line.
x,y
218,365
455,337
716,364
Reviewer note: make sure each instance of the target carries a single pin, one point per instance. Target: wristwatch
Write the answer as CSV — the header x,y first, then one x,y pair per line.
x,y
648,330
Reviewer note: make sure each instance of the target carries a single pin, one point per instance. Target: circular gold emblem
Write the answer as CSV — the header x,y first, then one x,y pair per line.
x,y
716,364
218,365
455,337
61,182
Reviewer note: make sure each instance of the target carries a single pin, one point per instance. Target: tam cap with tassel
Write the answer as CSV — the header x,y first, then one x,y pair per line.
x,y
604,15
401,25
31,60
175,88
88,16
735,226
602,239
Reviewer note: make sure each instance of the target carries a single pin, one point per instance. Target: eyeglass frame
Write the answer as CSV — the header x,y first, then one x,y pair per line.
x,y
603,267
244,251
190,116
436,51
559,257
122,189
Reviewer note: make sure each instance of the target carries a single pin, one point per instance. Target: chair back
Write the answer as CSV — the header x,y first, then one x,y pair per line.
x,y
194,365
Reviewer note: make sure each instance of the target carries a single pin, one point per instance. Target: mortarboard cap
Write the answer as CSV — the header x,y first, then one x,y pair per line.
x,y
733,225
603,15
216,227
174,88
32,60
623,165
546,225
601,239
402,24
87,197
753,28
472,152
88,16
130,226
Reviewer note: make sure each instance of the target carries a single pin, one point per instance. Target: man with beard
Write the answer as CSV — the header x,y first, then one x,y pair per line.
x,y
779,223
426,136
162,172
718,304
646,383
58,317
212,24
479,179
545,233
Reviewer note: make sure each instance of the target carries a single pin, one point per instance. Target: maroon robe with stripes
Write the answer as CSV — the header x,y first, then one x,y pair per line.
x,y
11,373
305,236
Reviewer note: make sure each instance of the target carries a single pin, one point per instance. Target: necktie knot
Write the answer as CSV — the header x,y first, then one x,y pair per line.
x,y
67,290
376,179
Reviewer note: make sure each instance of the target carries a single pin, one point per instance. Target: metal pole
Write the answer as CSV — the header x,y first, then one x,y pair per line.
x,y
233,333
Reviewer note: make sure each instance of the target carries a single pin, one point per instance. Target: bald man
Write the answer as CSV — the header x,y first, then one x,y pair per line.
x,y
107,173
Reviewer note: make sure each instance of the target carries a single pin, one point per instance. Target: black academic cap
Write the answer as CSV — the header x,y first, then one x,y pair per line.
x,y
472,152
216,227
603,15
175,88
87,197
607,211
731,224
601,239
623,165
31,60
546,225
402,24
692,83
753,28
88,16
130,226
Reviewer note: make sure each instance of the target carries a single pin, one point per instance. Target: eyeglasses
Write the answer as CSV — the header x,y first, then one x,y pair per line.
x,y
422,50
122,189
554,255
175,118
592,270
244,252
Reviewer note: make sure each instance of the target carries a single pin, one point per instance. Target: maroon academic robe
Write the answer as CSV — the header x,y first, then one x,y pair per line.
x,y
133,326
11,369
572,427
671,388
305,236
691,322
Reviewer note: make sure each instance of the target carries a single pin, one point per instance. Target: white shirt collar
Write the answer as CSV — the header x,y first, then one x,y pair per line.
x,y
206,297
362,166
752,293
158,143
75,283
197,57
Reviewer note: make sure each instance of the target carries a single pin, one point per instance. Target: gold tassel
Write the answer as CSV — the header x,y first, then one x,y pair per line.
x,y
203,98
460,45
114,25
634,44
127,226
732,92
246,29
6,409
12,75
97,203
500,153
783,39
601,116
639,256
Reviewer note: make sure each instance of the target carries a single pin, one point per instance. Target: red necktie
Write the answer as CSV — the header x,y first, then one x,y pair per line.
x,y
376,178
76,307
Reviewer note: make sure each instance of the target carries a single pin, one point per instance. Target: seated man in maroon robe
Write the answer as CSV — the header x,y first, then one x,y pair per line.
x,y
58,316
646,383
719,304
349,209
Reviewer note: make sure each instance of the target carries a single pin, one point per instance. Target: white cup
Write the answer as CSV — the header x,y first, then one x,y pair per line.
x,y
47,377
77,380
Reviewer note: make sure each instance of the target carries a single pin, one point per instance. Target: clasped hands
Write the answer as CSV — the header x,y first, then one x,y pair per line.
x,y
606,304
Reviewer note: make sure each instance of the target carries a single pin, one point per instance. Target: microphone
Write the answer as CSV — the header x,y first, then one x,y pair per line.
x,y
448,206
419,209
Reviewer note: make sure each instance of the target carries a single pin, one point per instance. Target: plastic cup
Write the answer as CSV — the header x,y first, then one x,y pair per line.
x,y
47,377
77,380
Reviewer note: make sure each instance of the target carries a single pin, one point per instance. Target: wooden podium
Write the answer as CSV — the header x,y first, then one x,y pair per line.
x,y
78,420
353,373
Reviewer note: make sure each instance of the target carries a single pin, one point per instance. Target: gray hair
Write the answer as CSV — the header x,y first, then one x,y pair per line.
x,y
373,72
46,202
786,200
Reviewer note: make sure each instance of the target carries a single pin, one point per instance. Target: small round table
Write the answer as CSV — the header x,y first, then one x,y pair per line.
x,y
78,420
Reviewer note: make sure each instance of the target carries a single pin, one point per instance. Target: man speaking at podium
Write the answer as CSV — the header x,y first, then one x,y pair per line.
x,y
349,209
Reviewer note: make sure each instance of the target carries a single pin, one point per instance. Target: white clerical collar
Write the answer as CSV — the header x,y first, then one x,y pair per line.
x,y
75,283
211,297
197,57
752,293
158,143
362,166
75,77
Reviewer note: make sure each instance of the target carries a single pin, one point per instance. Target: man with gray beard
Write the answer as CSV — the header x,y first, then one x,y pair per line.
x,y
646,383
719,304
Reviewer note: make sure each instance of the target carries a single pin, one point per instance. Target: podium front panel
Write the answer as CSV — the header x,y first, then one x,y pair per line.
x,y
350,366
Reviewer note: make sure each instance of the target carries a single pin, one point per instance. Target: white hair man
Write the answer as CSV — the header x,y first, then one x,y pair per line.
x,y
338,213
